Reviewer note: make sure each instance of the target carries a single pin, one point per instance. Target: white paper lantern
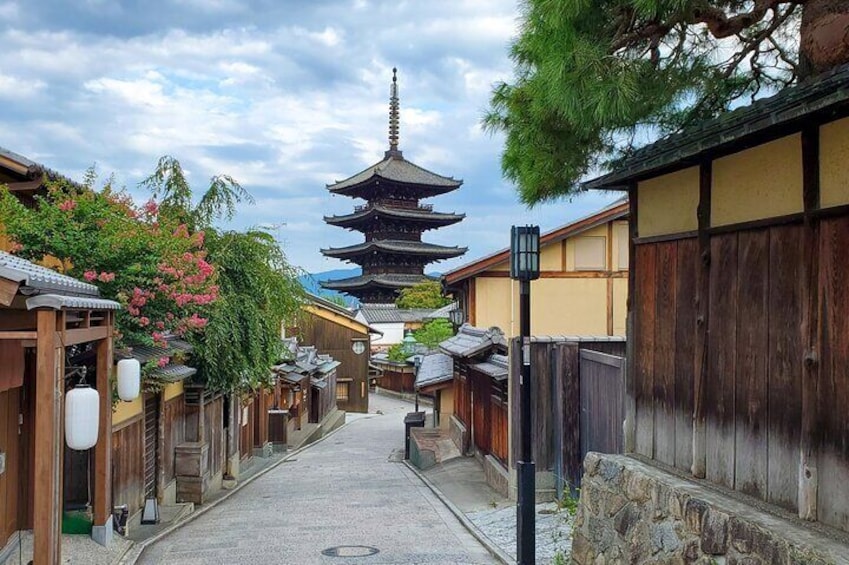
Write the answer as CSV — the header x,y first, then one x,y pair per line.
x,y
129,379
82,417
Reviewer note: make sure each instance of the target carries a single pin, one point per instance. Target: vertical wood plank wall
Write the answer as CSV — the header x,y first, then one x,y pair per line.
x,y
174,415
127,466
756,346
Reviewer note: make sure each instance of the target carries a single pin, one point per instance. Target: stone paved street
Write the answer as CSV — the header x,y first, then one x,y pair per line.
x,y
349,490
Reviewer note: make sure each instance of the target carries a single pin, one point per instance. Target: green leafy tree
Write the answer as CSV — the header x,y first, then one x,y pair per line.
x,y
434,332
427,294
594,80
258,288
151,264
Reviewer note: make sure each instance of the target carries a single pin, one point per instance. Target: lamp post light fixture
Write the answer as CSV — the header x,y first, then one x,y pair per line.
x,y
524,267
457,317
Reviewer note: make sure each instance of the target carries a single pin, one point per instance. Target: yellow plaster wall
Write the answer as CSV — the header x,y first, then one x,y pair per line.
x,y
172,390
761,182
551,257
598,231
834,156
621,234
492,302
503,266
667,204
126,410
620,305
568,306
446,407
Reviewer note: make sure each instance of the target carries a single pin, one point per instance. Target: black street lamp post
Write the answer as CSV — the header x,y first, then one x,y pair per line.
x,y
524,267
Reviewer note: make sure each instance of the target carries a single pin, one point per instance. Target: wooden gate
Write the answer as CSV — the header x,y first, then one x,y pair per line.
x,y
602,402
151,444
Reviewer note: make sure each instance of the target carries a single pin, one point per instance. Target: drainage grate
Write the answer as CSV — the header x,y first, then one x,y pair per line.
x,y
350,551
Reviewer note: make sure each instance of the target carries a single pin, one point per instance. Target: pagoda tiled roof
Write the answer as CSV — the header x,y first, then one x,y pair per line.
x,y
393,281
401,247
395,168
418,214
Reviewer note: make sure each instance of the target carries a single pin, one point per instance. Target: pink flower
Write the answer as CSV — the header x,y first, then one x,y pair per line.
x,y
151,208
144,321
67,205
163,361
89,275
14,247
160,325
106,277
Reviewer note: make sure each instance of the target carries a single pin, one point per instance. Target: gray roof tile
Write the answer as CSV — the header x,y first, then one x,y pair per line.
x,y
385,280
471,341
397,246
496,366
41,278
390,313
398,169
435,368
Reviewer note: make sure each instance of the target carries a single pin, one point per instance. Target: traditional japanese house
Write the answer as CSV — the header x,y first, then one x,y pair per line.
x,y
583,284
305,393
334,330
435,378
480,420
739,341
395,376
394,322
393,255
54,331
147,431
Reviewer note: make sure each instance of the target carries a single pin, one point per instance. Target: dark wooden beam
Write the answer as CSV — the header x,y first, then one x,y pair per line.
x,y
808,479
700,357
84,335
630,427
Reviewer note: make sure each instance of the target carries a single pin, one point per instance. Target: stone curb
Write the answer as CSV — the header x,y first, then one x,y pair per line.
x,y
496,551
132,554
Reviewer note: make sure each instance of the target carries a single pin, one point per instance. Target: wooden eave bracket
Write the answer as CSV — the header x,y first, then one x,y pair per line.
x,y
8,291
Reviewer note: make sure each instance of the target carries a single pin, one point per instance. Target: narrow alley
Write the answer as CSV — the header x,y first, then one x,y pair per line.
x,y
346,499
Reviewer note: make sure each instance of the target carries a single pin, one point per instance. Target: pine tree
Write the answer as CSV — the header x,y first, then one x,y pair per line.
x,y
597,78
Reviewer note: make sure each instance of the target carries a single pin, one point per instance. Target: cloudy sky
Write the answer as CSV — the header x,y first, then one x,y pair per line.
x,y
285,96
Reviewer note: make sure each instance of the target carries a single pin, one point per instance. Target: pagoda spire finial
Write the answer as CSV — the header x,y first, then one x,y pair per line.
x,y
394,115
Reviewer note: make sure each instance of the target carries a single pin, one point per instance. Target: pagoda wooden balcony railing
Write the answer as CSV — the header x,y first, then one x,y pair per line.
x,y
405,204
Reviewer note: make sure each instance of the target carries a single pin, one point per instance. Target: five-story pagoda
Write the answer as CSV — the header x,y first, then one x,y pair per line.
x,y
393,255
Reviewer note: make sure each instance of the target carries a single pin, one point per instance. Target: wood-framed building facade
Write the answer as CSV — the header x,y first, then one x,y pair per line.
x,y
334,330
48,323
583,284
739,311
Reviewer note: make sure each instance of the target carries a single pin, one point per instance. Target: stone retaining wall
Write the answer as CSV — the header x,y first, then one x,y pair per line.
x,y
632,512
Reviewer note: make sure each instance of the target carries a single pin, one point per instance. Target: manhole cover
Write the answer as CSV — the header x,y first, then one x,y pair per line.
x,y
350,551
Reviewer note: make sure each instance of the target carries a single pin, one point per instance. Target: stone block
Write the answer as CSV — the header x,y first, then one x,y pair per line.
x,y
614,503
582,550
714,537
691,551
638,487
625,519
694,512
591,462
664,538
599,534
610,471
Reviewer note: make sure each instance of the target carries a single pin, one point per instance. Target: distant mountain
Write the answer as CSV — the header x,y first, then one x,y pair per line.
x,y
310,282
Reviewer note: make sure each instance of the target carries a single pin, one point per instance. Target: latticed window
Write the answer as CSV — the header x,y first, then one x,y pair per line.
x,y
343,391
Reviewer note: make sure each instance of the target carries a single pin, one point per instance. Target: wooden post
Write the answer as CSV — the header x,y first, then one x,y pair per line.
x,y
103,448
808,480
46,488
700,357
629,431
